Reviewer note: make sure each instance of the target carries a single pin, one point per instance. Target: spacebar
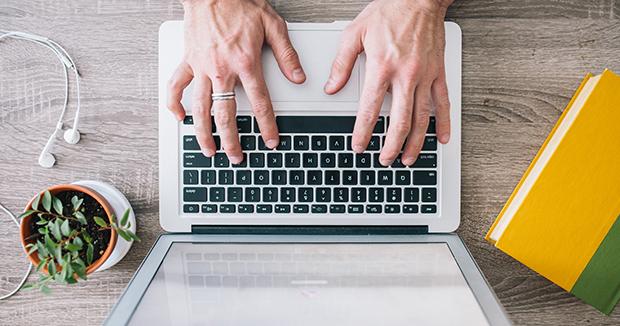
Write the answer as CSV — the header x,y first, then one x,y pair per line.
x,y
319,125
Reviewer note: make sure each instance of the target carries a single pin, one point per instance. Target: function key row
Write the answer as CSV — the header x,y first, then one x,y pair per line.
x,y
314,209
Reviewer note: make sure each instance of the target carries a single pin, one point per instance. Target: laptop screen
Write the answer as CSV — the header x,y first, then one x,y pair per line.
x,y
308,284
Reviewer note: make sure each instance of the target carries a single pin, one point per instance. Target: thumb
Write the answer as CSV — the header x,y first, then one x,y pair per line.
x,y
350,48
276,35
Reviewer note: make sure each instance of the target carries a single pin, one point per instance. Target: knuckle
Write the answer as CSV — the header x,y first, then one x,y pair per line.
x,y
367,117
246,61
262,109
401,127
200,109
224,119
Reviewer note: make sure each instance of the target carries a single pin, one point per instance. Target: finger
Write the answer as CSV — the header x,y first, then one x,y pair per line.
x,y
439,91
375,85
421,114
181,77
258,94
225,113
400,122
350,48
201,109
276,35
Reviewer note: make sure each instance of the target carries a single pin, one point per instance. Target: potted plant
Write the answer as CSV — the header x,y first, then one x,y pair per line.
x,y
72,230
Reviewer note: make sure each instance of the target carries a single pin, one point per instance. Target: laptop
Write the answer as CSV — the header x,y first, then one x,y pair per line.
x,y
309,233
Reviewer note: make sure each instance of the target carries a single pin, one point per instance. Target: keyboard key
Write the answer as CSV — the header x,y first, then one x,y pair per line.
x,y
261,177
424,178
225,177
376,195
345,160
398,163
355,209
394,195
426,160
274,160
328,160
431,126
235,194
243,163
190,177
429,209
362,160
319,143
216,140
301,143
411,195
315,177
283,208
248,143
385,178
301,208
430,143
220,160
317,124
373,144
367,178
403,178
193,208
216,194
310,160
270,195
373,209
296,177
319,209
261,144
264,209
337,209
349,143
244,124
287,195
306,195
209,208
429,195
358,195
278,177
410,209
292,160
245,208
336,143
332,177
349,178
392,209
196,160
252,195
323,195
188,120
244,177
227,208
375,162
341,195
207,177
190,143
257,160
285,143
193,194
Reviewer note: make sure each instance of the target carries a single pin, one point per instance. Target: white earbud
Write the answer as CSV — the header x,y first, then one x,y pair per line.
x,y
72,135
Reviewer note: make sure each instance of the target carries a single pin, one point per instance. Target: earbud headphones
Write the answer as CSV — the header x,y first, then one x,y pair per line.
x,y
71,135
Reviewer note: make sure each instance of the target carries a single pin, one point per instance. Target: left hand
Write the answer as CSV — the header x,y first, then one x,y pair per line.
x,y
404,44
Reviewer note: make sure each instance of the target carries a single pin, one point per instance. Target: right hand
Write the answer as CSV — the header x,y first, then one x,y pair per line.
x,y
223,44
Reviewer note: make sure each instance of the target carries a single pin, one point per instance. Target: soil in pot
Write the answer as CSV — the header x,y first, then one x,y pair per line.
x,y
90,209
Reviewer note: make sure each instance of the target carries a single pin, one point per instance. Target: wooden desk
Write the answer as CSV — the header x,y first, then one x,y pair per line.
x,y
522,60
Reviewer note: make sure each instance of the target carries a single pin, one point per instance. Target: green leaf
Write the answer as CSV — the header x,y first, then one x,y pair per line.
x,y
58,254
87,236
47,201
45,289
35,202
49,245
26,214
101,222
125,217
55,228
40,265
76,203
65,228
79,269
90,250
80,217
42,221
41,249
72,247
51,267
124,234
32,249
29,286
78,242
58,207
133,236
43,230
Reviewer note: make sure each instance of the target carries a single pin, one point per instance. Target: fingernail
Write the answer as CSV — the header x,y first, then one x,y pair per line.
x,y
236,159
271,143
329,85
444,138
357,148
407,161
299,75
385,162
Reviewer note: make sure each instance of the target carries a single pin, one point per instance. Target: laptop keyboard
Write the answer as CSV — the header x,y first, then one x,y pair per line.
x,y
312,171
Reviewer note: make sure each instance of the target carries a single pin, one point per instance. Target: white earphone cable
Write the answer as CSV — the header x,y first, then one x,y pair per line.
x,y
21,283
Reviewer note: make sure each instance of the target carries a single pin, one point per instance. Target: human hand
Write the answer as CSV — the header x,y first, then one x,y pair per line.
x,y
404,44
223,44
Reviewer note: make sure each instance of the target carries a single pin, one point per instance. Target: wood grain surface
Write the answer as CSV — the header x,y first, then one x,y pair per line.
x,y
522,61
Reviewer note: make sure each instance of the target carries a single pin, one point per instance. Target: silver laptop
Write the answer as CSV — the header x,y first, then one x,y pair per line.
x,y
309,233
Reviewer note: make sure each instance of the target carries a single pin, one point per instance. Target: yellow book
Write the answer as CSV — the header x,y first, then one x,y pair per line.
x,y
562,218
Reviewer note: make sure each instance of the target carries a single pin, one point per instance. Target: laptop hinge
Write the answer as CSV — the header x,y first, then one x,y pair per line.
x,y
310,229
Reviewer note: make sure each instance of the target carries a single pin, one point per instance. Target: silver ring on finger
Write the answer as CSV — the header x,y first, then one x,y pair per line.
x,y
226,96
